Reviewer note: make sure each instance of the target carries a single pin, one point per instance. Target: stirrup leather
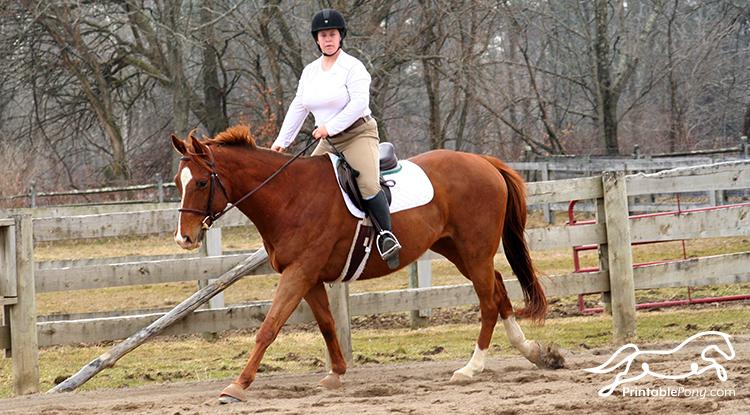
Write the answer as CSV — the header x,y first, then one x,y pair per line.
x,y
390,251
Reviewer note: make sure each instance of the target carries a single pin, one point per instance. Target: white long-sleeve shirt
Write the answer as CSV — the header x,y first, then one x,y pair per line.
x,y
336,97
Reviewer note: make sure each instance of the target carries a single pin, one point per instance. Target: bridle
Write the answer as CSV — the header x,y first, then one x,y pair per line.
x,y
215,181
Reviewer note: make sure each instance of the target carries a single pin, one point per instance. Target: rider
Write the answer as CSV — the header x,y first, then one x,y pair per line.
x,y
336,89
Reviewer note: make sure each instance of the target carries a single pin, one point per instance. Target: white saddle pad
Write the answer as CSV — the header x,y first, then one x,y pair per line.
x,y
412,188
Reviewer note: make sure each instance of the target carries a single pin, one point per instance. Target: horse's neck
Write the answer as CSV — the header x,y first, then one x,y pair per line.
x,y
281,197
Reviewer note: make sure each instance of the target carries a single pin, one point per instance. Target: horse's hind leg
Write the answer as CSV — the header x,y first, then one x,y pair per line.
x,y
494,301
540,355
482,278
481,274
317,299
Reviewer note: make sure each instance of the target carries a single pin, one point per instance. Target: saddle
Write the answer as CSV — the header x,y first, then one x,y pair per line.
x,y
348,175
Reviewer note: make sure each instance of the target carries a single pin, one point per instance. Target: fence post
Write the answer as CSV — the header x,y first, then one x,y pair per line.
x,y
620,257
744,146
603,256
528,156
7,259
420,276
32,195
211,247
24,345
717,197
8,285
548,216
636,151
159,188
338,298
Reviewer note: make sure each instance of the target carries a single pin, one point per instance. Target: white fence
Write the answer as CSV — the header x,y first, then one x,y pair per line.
x,y
613,233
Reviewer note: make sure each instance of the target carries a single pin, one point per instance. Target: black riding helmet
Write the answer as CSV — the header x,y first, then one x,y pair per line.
x,y
328,19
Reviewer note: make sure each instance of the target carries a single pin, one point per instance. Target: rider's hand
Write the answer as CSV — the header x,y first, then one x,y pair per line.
x,y
278,148
320,132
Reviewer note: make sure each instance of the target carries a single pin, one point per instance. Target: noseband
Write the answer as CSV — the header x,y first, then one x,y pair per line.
x,y
209,217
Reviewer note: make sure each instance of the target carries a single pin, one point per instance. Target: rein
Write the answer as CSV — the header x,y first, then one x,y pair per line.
x,y
211,218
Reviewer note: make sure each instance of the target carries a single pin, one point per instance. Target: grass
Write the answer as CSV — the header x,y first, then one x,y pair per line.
x,y
192,358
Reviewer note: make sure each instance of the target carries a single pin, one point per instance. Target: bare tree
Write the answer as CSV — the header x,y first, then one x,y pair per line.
x,y
615,60
92,63
94,86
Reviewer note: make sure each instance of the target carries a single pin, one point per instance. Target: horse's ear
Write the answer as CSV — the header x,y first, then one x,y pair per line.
x,y
178,145
198,147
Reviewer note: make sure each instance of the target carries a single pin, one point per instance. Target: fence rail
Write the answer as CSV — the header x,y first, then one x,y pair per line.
x,y
613,233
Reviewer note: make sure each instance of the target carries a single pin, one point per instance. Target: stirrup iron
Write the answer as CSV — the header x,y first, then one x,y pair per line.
x,y
390,256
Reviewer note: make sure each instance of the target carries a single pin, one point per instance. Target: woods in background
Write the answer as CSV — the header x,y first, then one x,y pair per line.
x,y
90,91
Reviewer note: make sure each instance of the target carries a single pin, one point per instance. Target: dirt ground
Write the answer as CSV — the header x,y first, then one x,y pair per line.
x,y
507,386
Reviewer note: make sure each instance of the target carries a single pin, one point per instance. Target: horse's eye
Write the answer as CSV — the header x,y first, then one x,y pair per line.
x,y
202,184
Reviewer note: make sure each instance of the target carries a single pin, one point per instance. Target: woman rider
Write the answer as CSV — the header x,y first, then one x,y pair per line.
x,y
336,89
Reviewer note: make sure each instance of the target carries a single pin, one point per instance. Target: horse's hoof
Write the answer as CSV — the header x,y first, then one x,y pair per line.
x,y
331,381
549,357
232,394
224,399
459,377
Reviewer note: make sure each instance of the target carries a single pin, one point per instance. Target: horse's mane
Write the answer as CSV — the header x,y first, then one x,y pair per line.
x,y
234,136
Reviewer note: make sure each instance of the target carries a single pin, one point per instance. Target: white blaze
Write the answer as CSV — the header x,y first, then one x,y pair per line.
x,y
185,177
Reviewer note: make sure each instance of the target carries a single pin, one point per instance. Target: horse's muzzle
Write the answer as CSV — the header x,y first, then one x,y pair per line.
x,y
186,242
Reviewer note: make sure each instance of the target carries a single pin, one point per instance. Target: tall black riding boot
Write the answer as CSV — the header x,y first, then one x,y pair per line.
x,y
387,244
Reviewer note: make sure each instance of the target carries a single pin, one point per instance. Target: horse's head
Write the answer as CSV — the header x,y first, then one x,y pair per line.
x,y
202,193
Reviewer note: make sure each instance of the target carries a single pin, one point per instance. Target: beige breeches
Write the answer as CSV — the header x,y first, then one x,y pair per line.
x,y
360,147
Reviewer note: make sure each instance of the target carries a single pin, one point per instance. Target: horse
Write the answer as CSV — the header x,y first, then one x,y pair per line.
x,y
307,231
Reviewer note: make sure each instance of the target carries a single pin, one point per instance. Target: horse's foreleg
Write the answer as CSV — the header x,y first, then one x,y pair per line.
x,y
317,299
292,286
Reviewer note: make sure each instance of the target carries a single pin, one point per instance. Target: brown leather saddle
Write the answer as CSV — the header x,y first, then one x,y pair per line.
x,y
348,175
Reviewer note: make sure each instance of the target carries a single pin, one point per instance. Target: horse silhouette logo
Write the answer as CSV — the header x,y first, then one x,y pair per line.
x,y
631,352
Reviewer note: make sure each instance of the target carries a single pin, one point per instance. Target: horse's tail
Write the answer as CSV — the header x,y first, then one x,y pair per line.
x,y
514,244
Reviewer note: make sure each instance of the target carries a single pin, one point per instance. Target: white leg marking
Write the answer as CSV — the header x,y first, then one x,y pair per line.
x,y
517,338
185,177
474,367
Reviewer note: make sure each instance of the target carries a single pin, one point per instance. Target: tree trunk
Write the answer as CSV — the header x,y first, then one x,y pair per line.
x,y
178,87
675,112
430,46
432,86
213,93
510,74
273,51
606,102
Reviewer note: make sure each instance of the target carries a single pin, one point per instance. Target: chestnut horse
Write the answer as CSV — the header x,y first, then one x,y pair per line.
x,y
307,231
